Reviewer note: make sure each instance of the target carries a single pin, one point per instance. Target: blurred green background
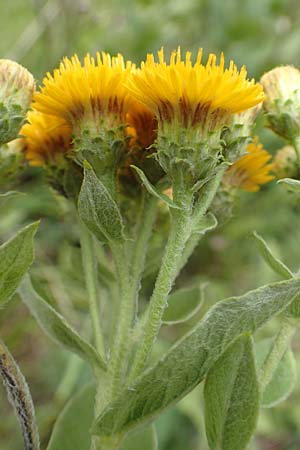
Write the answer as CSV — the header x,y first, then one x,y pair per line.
x,y
37,33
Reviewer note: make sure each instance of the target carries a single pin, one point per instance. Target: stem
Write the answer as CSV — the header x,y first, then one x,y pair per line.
x,y
90,273
179,234
146,220
276,352
126,313
129,283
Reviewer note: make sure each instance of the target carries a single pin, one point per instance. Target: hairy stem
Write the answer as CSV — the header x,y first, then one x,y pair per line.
x,y
143,234
90,273
179,234
126,314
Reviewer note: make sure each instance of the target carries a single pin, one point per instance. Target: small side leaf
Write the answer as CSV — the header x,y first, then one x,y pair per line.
x,y
16,256
278,266
145,439
152,190
231,395
19,396
72,429
183,304
56,327
10,194
281,269
284,377
98,210
205,224
189,360
290,184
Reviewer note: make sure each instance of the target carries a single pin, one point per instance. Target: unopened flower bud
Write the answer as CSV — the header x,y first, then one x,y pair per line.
x,y
16,91
282,103
285,163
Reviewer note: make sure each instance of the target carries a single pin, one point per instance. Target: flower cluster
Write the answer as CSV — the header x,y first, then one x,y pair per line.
x,y
106,110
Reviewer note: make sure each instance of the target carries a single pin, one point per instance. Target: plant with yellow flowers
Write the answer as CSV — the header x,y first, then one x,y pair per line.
x,y
163,146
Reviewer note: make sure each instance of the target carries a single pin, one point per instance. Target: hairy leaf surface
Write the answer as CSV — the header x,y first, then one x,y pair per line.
x,y
187,363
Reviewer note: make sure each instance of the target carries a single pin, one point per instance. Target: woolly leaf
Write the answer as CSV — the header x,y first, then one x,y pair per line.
x,y
71,430
284,377
152,190
145,439
188,361
231,395
290,184
16,256
56,327
278,266
183,304
205,224
98,210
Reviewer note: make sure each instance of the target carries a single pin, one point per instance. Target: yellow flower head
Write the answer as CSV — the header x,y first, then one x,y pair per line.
x,y
45,138
190,93
141,125
251,170
88,92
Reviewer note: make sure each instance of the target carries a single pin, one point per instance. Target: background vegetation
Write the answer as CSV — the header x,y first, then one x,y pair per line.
x,y
37,33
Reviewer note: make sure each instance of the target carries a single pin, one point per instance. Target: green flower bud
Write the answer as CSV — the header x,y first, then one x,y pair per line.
x,y
286,163
282,103
16,91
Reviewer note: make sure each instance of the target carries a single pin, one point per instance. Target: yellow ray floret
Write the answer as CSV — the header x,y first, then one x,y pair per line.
x,y
77,92
251,170
45,138
186,92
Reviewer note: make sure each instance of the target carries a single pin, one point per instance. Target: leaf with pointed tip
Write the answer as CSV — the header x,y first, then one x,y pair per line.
x,y
231,395
16,256
72,430
152,190
56,326
281,269
183,304
189,360
284,378
145,439
205,223
10,194
98,210
278,266
290,184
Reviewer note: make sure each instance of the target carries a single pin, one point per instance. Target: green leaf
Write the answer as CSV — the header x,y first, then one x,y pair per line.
x,y
152,190
16,256
72,428
98,210
231,395
278,266
144,439
183,304
56,327
19,395
205,224
284,377
290,184
187,363
11,194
